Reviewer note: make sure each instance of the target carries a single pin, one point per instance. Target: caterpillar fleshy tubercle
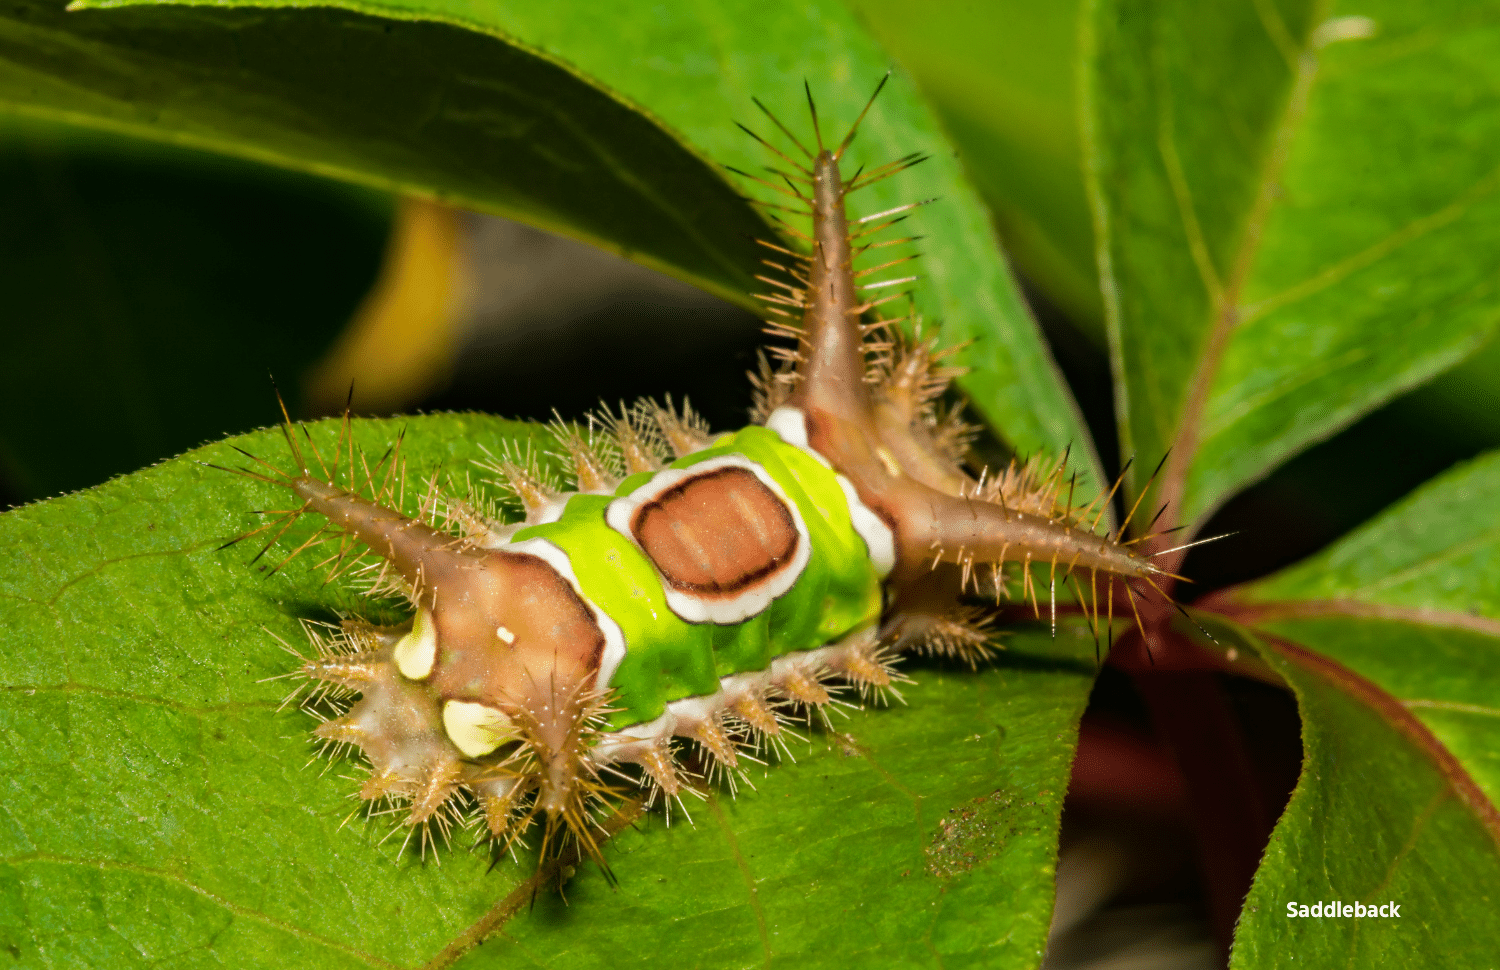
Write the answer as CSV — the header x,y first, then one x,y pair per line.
x,y
692,589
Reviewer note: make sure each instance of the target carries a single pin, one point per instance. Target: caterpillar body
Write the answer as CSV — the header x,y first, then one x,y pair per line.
x,y
692,589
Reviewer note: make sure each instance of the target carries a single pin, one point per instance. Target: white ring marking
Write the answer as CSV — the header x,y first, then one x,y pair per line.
x,y
791,424
880,541
550,512
742,606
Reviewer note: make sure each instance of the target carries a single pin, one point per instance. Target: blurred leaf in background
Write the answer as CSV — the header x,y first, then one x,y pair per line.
x,y
1002,78
402,341
150,294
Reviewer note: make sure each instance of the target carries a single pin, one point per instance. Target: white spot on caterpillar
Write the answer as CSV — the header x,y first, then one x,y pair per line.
x,y
476,729
417,651
880,541
504,634
550,512
498,535
790,424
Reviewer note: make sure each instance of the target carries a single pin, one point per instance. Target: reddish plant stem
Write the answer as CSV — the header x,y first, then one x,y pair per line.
x,y
1252,613
1191,713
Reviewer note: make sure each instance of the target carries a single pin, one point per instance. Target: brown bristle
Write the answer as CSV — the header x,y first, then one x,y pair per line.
x,y
384,784
710,733
802,688
684,431
500,799
636,437
758,714
596,468
353,672
437,787
341,731
521,475
661,767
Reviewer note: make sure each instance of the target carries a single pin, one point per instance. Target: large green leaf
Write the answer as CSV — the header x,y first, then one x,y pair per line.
x,y
1296,209
1401,730
1410,601
549,113
418,107
159,806
1382,815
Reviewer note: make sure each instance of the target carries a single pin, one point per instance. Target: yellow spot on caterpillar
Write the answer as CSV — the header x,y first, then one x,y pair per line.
x,y
505,634
417,651
889,461
476,729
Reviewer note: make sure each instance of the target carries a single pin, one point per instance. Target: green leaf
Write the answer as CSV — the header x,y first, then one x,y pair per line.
x,y
159,803
1294,209
1379,816
149,291
416,107
1411,601
1436,550
1002,77
590,125
1401,775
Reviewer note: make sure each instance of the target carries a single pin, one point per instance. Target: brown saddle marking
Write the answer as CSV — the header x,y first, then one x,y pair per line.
x,y
716,534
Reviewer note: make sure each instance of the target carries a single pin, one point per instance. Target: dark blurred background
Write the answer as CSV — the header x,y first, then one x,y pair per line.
x,y
154,293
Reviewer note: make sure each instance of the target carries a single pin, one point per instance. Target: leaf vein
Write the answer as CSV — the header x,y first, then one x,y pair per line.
x,y
68,687
749,877
1346,267
1428,703
1429,563
1225,315
234,908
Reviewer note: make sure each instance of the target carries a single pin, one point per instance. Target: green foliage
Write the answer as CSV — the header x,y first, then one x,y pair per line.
x,y
1002,77
1293,208
1376,819
1420,581
1399,728
1289,210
